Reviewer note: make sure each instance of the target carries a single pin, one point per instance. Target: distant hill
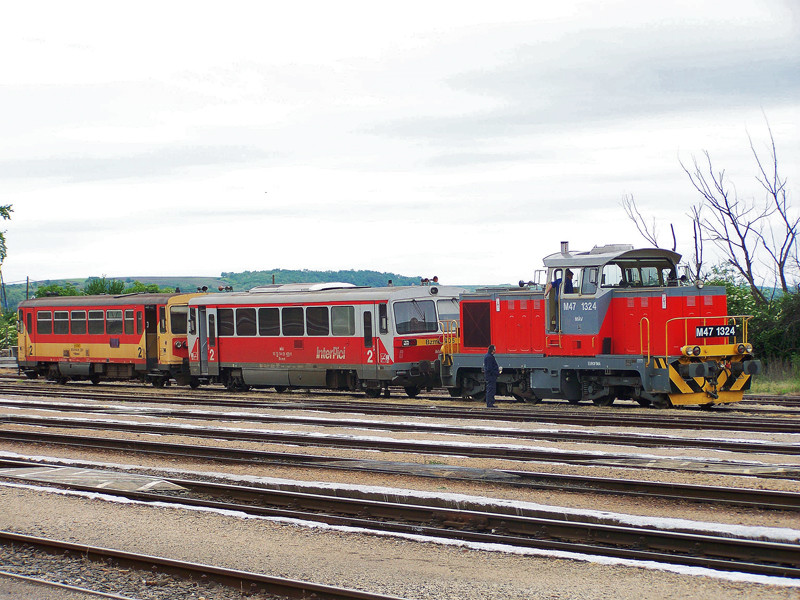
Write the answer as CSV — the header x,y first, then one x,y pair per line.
x,y
14,294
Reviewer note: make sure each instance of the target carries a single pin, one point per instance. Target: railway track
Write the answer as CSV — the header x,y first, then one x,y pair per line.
x,y
746,497
697,420
511,527
594,437
238,580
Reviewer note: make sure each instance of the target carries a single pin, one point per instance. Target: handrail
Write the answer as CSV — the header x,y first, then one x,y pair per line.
x,y
641,341
745,319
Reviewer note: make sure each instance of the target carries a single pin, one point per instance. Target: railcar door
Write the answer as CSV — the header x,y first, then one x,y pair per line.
x,y
208,343
151,335
370,346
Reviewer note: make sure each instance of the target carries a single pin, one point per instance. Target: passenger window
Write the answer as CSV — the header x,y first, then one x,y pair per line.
x,y
226,324
245,321
96,322
343,320
61,322
317,320
178,317
269,322
293,321
139,323
44,322
114,322
78,322
128,322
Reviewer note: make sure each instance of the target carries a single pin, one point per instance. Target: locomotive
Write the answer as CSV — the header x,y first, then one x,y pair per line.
x,y
612,323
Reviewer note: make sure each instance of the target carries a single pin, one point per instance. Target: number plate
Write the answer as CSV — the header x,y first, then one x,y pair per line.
x,y
715,331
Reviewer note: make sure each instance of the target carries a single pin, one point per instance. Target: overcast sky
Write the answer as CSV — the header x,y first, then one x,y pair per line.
x,y
458,139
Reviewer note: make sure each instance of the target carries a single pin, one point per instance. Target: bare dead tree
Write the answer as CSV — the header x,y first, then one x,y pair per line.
x,y
734,225
781,242
697,260
648,232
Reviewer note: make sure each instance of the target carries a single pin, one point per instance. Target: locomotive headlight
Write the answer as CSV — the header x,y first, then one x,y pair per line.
x,y
748,348
741,348
696,351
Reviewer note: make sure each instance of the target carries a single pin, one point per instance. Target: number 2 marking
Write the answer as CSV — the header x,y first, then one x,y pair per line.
x,y
369,356
210,354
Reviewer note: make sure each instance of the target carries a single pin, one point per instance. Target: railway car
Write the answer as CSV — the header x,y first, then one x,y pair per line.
x,y
612,323
132,336
334,336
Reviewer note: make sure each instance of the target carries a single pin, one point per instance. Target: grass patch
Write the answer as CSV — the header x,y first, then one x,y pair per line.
x,y
780,377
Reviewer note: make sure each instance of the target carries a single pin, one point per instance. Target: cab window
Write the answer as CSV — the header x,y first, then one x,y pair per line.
x,y
415,316
178,319
589,281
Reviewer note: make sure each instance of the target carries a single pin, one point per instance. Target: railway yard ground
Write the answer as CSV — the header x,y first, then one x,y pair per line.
x,y
394,497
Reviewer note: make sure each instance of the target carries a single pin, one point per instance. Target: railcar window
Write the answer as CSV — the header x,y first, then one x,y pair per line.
x,y
114,322
139,323
96,322
192,321
61,322
448,309
293,321
269,322
19,321
225,324
477,329
212,331
343,320
128,322
77,322
317,320
30,325
415,316
367,329
44,322
162,319
245,321
178,319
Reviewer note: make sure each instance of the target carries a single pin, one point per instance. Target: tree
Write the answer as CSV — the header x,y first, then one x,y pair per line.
x,y
53,289
101,285
5,212
740,227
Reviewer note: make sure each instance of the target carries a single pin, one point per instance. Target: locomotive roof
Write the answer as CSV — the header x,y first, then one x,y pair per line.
x,y
303,293
102,300
600,255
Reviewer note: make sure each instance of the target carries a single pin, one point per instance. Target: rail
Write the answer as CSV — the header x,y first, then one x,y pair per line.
x,y
718,349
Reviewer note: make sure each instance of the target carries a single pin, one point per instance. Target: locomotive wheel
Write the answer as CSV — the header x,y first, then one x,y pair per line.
x,y
454,392
412,391
158,382
372,392
95,379
604,401
194,383
280,388
573,400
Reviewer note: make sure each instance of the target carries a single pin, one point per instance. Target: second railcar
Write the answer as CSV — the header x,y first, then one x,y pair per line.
x,y
334,336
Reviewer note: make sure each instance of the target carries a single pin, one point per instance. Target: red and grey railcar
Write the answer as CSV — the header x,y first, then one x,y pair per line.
x,y
629,328
334,336
131,336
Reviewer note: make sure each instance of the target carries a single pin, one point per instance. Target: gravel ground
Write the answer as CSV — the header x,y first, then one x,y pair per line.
x,y
405,568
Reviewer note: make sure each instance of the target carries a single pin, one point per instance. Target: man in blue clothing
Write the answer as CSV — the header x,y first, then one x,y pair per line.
x,y
490,372
568,287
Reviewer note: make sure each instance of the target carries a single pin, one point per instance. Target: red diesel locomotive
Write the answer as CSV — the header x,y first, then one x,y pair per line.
x,y
334,336
618,323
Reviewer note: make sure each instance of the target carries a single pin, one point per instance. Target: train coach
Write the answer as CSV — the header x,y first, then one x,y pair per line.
x,y
334,336
130,336
612,323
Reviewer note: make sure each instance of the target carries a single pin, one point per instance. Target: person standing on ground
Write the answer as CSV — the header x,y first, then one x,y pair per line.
x,y
490,372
